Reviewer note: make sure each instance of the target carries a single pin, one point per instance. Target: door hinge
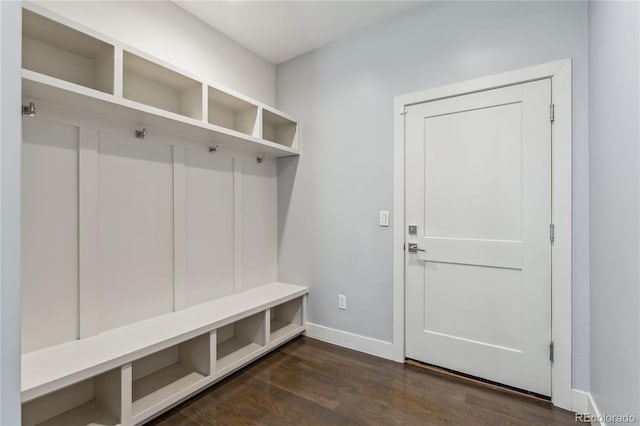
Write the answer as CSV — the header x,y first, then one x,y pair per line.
x,y
552,112
551,351
552,232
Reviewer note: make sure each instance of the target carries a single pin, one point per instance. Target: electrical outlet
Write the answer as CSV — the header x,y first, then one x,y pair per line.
x,y
342,301
384,218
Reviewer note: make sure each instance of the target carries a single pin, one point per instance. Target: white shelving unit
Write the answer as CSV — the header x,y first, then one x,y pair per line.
x,y
239,340
96,400
279,128
154,364
152,84
71,66
130,374
285,318
67,54
232,112
159,377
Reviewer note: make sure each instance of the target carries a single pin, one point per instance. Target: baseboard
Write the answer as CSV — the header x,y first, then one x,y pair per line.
x,y
353,341
582,402
593,410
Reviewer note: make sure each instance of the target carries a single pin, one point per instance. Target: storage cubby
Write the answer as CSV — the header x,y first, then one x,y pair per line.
x,y
278,129
239,340
152,84
95,401
56,50
232,113
160,376
285,318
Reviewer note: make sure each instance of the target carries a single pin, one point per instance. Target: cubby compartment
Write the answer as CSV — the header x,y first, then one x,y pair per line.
x,y
285,318
239,340
232,113
152,84
95,401
278,129
157,378
50,48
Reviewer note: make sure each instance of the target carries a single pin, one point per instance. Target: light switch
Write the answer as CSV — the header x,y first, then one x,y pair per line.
x,y
384,218
342,301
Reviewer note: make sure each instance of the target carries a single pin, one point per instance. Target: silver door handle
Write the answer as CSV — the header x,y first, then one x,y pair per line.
x,y
413,248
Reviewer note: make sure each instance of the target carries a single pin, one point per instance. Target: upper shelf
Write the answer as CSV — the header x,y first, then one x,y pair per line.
x,y
68,65
62,52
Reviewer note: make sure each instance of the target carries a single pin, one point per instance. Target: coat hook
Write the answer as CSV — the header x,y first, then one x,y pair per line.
x,y
29,110
140,134
260,159
213,149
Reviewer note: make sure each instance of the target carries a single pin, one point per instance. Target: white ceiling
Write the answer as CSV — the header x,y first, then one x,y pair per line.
x,y
280,30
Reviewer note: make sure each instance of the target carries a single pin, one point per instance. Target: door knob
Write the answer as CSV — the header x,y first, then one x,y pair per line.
x,y
413,248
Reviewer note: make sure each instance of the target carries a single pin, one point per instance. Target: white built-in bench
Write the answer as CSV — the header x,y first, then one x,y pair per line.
x,y
130,374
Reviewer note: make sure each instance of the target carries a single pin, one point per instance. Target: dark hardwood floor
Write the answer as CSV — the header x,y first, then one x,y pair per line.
x,y
308,382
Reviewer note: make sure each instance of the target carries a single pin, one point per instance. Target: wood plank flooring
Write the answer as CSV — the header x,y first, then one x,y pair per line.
x,y
308,382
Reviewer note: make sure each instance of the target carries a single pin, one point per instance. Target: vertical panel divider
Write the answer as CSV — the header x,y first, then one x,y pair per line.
x,y
205,102
237,224
179,228
258,127
305,308
118,72
88,246
126,394
267,327
213,352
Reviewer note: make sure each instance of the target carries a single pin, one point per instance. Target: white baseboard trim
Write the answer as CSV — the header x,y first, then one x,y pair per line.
x,y
353,341
593,409
582,402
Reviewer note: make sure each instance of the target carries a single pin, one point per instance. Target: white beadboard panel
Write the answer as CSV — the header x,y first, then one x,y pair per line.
x,y
49,233
209,225
259,239
135,185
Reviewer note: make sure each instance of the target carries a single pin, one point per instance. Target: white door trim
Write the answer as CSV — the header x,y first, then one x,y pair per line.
x,y
560,74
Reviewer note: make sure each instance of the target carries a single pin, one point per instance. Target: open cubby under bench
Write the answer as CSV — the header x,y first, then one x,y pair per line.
x,y
130,374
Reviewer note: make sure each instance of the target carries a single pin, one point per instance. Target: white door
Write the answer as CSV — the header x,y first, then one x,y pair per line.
x,y
478,189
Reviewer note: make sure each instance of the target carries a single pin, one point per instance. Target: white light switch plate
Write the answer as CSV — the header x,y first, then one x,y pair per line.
x,y
342,301
384,218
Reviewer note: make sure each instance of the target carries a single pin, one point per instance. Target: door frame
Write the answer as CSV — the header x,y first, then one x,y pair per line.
x,y
561,133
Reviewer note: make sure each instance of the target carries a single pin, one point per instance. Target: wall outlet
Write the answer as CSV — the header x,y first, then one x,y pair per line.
x,y
384,218
342,301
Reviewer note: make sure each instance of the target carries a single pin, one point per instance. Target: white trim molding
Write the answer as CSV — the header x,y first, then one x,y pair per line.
x,y
560,74
592,409
582,402
353,341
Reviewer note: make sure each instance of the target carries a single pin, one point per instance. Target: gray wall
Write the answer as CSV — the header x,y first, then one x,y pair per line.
x,y
614,139
343,94
10,124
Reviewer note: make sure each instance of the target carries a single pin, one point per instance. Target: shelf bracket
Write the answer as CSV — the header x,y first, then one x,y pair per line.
x,y
29,110
140,134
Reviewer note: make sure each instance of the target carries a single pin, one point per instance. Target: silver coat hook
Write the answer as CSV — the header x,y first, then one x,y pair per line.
x,y
29,110
260,159
140,134
213,149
